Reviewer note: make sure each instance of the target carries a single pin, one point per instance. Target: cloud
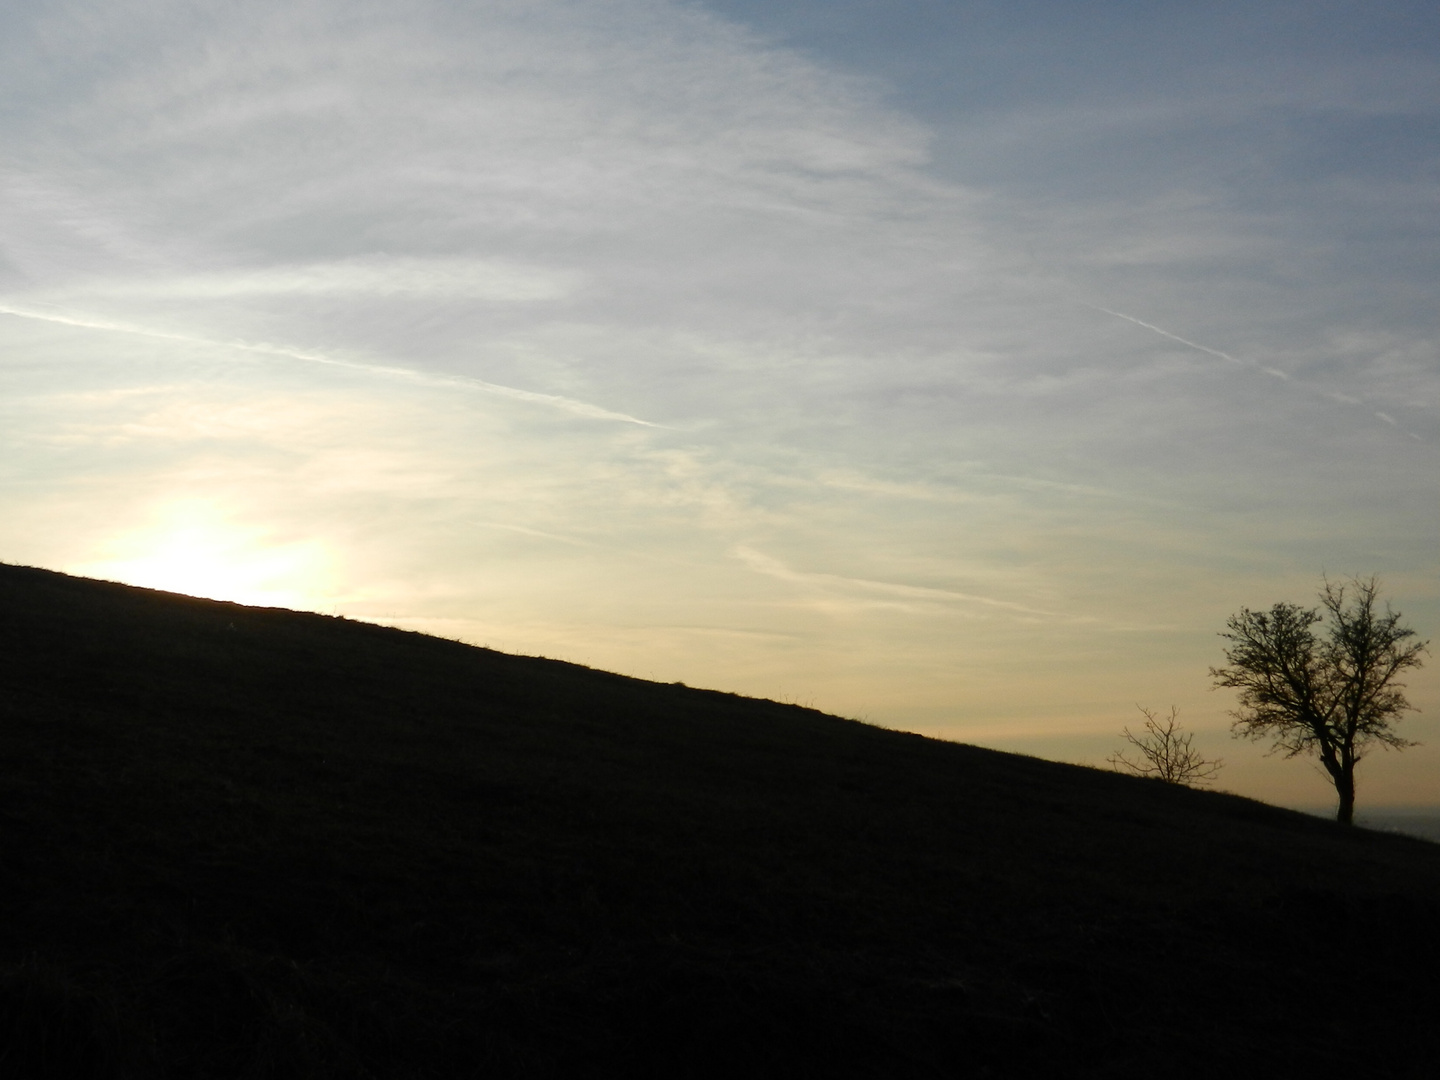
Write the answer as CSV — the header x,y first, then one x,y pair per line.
x,y
464,279
579,408
860,591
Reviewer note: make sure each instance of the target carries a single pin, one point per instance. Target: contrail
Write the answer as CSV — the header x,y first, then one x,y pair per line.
x,y
555,401
1343,399
1276,372
1162,333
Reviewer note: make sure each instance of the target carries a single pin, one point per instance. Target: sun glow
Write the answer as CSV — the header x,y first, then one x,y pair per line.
x,y
193,547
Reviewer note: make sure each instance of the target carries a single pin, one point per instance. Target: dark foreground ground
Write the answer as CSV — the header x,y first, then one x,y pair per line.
x,y
239,842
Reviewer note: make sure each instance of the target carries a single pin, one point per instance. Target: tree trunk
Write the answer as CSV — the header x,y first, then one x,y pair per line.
x,y
1345,788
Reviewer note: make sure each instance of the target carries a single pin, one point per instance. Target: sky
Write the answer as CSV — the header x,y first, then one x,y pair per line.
x,y
955,366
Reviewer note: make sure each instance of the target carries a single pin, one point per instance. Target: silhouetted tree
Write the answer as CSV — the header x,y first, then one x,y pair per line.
x,y
1166,752
1330,694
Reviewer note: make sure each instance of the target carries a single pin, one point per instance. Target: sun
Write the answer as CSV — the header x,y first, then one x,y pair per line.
x,y
194,547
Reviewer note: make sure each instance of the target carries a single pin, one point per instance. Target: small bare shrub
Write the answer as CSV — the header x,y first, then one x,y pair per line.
x,y
1165,752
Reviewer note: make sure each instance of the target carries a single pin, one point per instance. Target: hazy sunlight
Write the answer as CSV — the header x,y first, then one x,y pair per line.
x,y
193,547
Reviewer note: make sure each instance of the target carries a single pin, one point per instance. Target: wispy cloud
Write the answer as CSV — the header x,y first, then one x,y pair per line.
x,y
863,589
447,278
554,401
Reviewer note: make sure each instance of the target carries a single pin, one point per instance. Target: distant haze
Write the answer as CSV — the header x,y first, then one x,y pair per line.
x,y
957,366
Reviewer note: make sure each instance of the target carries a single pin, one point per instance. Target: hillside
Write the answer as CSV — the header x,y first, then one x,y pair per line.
x,y
254,842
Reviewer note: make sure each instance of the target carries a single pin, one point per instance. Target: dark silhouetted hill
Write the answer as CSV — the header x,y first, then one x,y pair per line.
x,y
244,842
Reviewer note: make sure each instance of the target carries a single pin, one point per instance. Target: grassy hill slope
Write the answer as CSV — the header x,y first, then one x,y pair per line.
x,y
255,842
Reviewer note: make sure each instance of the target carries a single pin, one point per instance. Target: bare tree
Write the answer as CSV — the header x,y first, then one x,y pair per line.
x,y
1165,752
1332,695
